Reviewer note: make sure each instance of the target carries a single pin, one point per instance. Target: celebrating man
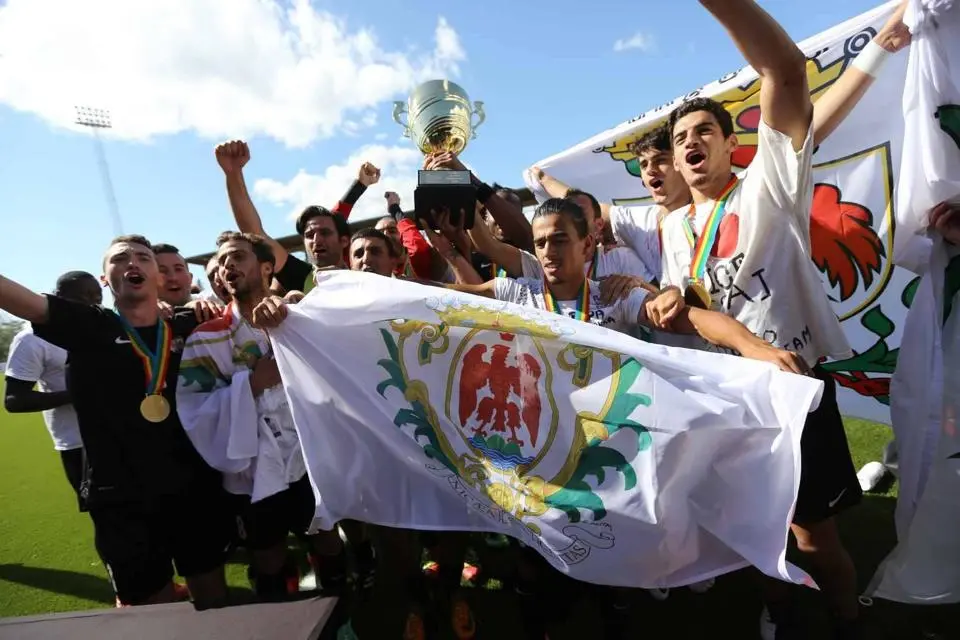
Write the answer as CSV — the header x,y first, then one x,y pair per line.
x,y
234,410
152,499
176,279
742,247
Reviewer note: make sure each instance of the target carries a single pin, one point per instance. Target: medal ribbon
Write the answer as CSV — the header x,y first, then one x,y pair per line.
x,y
583,301
497,271
701,246
592,275
155,362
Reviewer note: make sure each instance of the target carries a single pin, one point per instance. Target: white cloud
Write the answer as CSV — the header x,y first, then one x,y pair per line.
x,y
398,172
639,40
221,69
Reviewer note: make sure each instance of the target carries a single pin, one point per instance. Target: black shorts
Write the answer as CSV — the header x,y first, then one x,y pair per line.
x,y
73,466
139,542
828,479
265,524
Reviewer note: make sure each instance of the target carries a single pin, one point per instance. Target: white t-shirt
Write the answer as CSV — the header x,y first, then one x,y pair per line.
x,y
620,316
609,262
34,360
766,280
637,227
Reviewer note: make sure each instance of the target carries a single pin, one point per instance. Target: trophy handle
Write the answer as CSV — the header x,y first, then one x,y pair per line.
x,y
400,108
481,116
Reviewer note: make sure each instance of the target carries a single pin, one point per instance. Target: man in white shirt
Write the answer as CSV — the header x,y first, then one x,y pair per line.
x,y
743,247
233,408
35,362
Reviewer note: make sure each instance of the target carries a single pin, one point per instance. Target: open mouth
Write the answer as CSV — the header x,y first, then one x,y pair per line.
x,y
694,157
231,277
368,270
136,279
656,183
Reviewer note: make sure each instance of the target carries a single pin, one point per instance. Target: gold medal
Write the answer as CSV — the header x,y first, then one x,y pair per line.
x,y
696,295
155,408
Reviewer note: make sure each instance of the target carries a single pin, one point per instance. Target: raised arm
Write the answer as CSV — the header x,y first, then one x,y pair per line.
x,y
232,157
557,189
784,96
844,94
21,302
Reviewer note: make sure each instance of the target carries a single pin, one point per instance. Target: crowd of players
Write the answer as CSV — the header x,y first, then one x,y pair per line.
x,y
168,409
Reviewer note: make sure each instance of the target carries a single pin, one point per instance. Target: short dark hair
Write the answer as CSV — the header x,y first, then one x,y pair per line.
x,y
657,139
370,232
316,211
564,207
509,195
261,248
71,279
724,119
165,248
132,238
572,193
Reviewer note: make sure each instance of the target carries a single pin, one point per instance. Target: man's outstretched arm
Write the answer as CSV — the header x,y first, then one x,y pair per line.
x,y
21,302
784,96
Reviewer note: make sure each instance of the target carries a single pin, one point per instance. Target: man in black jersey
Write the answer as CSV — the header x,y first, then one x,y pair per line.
x,y
153,500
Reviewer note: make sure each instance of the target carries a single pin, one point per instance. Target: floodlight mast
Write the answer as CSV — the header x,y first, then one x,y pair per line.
x,y
95,120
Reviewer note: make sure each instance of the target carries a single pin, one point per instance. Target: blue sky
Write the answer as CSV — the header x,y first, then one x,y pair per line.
x,y
310,86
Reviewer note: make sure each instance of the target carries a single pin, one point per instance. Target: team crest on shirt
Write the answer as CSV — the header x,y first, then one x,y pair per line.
x,y
498,433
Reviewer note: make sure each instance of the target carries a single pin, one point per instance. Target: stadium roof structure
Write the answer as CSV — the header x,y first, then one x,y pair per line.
x,y
294,243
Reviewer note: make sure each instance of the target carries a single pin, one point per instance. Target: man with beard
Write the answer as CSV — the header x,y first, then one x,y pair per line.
x,y
175,275
152,499
233,408
325,233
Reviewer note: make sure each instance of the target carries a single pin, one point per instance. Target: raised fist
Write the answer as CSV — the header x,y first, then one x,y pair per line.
x,y
369,175
232,156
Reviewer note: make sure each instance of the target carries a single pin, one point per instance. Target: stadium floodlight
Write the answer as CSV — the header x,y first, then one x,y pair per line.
x,y
95,120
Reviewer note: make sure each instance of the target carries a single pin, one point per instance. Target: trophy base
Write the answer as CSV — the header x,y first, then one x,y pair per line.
x,y
440,189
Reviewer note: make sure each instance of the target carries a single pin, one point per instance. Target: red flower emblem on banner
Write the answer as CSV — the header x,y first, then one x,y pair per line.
x,y
845,246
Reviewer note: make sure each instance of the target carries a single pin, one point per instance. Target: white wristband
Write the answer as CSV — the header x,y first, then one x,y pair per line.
x,y
871,59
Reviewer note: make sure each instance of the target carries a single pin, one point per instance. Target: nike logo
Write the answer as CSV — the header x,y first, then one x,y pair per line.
x,y
122,341
833,502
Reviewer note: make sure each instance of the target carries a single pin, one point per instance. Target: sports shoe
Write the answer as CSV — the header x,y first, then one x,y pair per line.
x,y
871,475
462,621
180,592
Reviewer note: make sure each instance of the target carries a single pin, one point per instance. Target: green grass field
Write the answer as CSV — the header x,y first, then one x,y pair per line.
x,y
48,563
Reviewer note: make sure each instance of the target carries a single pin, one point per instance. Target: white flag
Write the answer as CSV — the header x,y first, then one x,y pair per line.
x,y
621,462
853,216
924,568
930,165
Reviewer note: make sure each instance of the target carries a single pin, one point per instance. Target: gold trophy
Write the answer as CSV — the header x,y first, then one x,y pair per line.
x,y
440,118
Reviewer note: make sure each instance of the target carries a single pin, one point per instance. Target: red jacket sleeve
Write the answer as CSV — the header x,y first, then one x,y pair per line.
x,y
418,249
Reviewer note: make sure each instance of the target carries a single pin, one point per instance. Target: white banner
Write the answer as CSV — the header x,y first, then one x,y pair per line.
x,y
853,220
620,461
924,568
